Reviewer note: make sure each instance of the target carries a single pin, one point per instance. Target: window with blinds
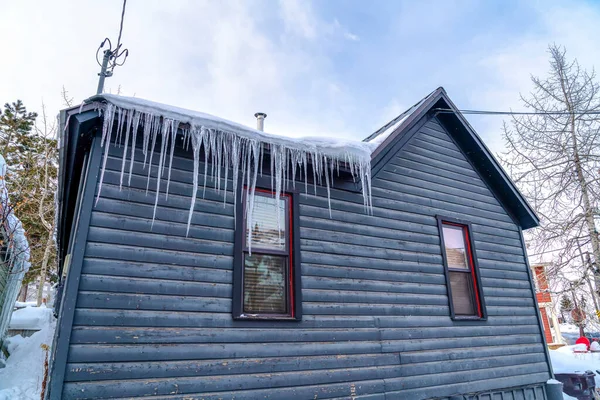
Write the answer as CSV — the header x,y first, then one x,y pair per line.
x,y
267,264
461,270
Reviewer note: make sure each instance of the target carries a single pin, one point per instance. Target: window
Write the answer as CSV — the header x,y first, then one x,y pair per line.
x,y
266,283
462,274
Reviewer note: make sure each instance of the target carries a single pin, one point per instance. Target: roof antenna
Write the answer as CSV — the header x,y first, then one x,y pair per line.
x,y
112,58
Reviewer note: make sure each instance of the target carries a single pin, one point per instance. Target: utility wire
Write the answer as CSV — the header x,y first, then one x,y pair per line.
x,y
116,53
489,112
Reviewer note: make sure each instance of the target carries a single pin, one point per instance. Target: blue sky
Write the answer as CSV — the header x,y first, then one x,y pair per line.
x,y
334,68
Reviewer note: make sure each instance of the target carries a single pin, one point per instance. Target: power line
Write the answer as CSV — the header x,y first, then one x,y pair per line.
x,y
489,112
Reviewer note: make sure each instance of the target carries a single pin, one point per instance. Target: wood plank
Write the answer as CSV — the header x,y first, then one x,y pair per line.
x,y
199,219
141,254
466,385
242,392
422,381
427,191
153,286
350,309
447,149
448,187
413,165
99,266
203,335
351,261
170,228
191,351
369,272
170,369
159,241
141,318
360,285
470,353
127,301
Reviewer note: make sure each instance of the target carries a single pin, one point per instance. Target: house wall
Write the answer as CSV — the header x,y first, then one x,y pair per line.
x,y
153,309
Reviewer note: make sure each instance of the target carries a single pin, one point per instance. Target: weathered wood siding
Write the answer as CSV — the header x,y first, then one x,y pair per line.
x,y
153,314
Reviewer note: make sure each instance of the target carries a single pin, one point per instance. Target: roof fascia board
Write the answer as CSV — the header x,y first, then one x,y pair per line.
x,y
496,167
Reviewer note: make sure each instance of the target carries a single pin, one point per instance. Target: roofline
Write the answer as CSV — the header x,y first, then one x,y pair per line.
x,y
495,162
409,121
379,154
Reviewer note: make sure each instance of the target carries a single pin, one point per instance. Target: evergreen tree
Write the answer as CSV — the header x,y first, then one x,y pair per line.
x,y
16,132
566,305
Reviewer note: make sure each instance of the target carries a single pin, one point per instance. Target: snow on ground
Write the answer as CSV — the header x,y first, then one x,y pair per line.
x,y
569,328
564,361
22,377
31,318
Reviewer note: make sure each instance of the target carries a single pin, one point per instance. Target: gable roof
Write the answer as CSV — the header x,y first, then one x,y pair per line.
x,y
391,137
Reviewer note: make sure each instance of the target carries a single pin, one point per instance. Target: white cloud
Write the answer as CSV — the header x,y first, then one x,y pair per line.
x,y
299,18
219,57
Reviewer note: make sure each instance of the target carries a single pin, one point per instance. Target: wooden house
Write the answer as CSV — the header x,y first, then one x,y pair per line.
x,y
399,274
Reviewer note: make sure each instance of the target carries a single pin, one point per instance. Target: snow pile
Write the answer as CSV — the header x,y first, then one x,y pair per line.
x,y
564,361
595,346
22,377
569,328
226,146
555,382
33,318
23,304
580,347
18,248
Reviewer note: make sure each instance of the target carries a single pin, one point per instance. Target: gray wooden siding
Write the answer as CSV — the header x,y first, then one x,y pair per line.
x,y
153,314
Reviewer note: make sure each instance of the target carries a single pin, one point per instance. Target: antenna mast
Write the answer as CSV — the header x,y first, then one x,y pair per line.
x,y
112,58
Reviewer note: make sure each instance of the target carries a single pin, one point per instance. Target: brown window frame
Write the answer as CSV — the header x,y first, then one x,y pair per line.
x,y
293,283
476,294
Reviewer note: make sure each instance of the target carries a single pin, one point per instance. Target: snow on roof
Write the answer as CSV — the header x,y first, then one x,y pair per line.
x,y
331,146
227,146
379,136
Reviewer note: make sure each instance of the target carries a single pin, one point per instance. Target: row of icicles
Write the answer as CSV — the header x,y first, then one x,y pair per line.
x,y
223,151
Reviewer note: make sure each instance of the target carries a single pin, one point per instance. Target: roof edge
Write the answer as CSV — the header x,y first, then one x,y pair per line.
x,y
503,187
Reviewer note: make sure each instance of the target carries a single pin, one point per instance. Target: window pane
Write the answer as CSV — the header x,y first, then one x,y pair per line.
x,y
266,232
462,293
454,244
265,284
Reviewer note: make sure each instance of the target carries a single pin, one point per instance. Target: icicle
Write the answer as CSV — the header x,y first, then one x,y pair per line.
x,y
226,166
155,128
204,133
121,117
241,152
235,164
196,143
326,173
147,132
255,148
136,122
174,127
107,127
163,145
123,161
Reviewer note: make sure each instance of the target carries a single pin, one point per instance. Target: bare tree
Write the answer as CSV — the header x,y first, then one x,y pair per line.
x,y
554,157
47,187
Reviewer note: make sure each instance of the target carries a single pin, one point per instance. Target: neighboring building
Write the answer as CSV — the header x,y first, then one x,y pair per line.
x,y
390,268
14,256
546,304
